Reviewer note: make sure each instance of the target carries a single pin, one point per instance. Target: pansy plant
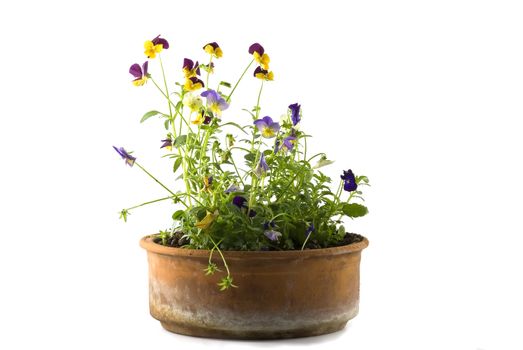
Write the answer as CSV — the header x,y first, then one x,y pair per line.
x,y
250,187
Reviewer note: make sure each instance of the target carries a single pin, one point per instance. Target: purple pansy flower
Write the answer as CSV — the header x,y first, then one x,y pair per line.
x,y
276,146
167,143
256,48
350,181
215,103
190,69
140,74
288,142
267,127
262,167
239,201
129,159
295,113
272,235
158,40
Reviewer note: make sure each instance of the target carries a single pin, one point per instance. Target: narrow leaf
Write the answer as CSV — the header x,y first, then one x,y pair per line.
x,y
149,115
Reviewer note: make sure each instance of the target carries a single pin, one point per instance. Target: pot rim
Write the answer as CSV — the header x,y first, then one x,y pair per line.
x,y
148,244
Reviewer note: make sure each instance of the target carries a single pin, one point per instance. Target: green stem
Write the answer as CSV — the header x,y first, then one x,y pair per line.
x,y
236,85
237,172
165,84
258,102
208,73
155,179
149,202
221,255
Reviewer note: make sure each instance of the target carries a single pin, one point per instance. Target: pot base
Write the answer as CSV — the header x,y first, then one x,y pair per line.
x,y
197,331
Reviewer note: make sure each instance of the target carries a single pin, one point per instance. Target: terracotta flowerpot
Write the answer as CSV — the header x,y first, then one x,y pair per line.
x,y
280,294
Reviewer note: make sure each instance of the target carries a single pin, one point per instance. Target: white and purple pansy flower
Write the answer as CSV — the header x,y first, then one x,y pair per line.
x,y
215,103
267,127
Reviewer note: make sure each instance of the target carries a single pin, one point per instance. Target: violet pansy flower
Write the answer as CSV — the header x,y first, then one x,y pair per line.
x,y
295,113
288,142
215,103
140,74
129,159
262,167
268,128
272,235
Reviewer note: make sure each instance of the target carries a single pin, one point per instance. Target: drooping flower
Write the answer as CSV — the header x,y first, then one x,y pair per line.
x,y
232,188
167,143
201,118
272,235
190,69
213,49
259,55
309,230
193,84
192,101
268,128
152,47
350,181
215,103
322,162
288,143
295,113
140,74
207,220
209,68
129,159
262,167
263,74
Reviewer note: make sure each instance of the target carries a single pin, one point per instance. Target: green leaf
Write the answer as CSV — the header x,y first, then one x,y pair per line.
x,y
149,115
177,164
178,214
180,141
354,210
250,157
224,83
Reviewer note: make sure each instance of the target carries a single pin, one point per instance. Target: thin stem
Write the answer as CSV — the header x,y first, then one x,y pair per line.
x,y
236,85
237,172
258,102
149,202
155,179
223,258
165,84
208,73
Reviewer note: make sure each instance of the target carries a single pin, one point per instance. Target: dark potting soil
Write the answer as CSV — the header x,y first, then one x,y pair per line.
x,y
177,241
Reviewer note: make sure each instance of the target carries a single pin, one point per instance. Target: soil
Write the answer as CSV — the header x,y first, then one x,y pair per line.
x,y
177,241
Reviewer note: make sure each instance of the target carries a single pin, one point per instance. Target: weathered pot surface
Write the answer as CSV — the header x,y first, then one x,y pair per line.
x,y
280,294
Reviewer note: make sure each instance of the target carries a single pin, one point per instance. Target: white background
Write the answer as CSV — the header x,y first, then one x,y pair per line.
x,y
424,97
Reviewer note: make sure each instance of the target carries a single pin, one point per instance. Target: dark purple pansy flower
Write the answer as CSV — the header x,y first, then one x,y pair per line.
x,y
309,230
272,235
190,68
251,213
269,225
256,48
288,142
276,146
129,159
207,120
350,181
295,113
162,41
239,201
167,143
140,74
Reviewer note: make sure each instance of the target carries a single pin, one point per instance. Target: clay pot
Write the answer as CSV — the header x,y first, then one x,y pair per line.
x,y
280,294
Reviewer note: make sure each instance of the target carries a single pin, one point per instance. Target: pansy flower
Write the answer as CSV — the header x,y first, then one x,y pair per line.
x,y
262,167
288,142
140,74
350,181
241,203
192,84
213,49
259,55
272,235
207,182
129,159
215,103
209,68
193,102
232,188
263,74
295,113
167,143
201,118
268,128
152,47
190,69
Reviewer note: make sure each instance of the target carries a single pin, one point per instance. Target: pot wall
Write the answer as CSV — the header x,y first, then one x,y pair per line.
x,y
279,295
